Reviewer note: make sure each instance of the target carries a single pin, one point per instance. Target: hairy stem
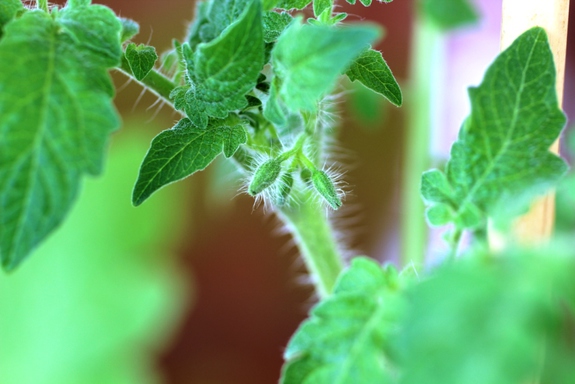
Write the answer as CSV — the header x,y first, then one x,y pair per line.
x,y
42,4
155,82
427,48
310,227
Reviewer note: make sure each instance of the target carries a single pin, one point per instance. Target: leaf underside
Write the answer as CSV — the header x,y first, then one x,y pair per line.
x,y
503,148
56,112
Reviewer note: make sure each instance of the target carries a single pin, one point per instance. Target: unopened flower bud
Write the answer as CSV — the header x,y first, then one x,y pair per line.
x,y
324,186
265,175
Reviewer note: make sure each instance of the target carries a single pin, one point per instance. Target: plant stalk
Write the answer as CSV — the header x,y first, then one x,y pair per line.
x,y
315,237
427,50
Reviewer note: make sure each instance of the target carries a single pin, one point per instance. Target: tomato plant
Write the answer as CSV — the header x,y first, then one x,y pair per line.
x,y
254,81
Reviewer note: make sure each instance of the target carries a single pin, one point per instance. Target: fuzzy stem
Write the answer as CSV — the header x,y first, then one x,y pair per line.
x,y
42,4
157,83
427,43
315,238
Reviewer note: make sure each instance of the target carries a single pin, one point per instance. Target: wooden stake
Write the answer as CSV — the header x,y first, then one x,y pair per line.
x,y
517,17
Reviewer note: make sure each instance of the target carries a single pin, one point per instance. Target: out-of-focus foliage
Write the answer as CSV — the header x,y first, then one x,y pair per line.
x,y
448,14
102,294
506,319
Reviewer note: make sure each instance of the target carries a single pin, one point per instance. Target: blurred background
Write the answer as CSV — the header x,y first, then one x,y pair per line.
x,y
197,286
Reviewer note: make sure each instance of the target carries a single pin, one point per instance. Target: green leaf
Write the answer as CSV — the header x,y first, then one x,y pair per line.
x,y
8,10
103,284
129,28
56,112
183,150
198,24
274,111
222,13
344,340
293,4
503,147
269,4
226,68
491,319
372,71
141,59
309,70
319,6
274,24
448,14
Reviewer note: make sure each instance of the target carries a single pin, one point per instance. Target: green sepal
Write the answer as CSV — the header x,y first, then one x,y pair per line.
x,y
284,190
372,71
141,59
265,176
324,186
58,64
183,150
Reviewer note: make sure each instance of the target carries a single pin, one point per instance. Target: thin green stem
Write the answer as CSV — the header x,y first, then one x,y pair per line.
x,y
427,49
42,4
454,240
154,81
314,235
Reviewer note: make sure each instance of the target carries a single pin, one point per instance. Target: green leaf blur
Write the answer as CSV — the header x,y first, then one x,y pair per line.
x,y
8,10
56,112
309,71
485,319
102,295
448,14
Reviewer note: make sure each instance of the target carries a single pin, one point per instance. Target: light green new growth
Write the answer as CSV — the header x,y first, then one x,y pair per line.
x,y
141,59
56,112
503,148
